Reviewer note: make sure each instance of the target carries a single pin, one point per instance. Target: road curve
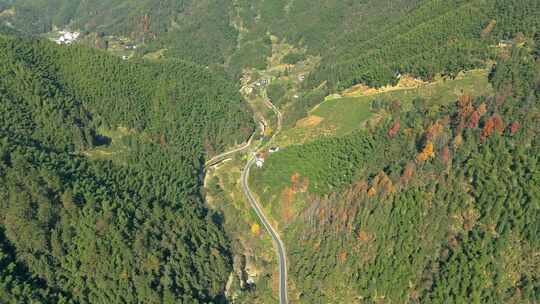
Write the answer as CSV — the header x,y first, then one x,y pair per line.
x,y
221,157
280,248
278,114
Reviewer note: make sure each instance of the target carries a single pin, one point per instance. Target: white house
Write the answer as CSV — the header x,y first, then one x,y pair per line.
x,y
67,37
274,150
259,161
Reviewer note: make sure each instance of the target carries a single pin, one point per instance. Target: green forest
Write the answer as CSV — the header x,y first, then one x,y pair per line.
x,y
375,42
102,156
435,204
129,229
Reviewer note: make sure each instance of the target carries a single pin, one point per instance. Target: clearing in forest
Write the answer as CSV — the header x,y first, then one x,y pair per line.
x,y
341,115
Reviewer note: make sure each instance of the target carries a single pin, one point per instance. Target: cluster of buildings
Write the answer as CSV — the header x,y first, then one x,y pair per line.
x,y
260,157
67,37
248,89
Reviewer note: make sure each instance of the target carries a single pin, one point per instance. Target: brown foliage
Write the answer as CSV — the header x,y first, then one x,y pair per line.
x,y
101,227
465,106
503,94
426,153
445,155
407,173
383,183
488,29
364,236
498,123
482,109
342,257
304,185
162,141
295,179
474,120
434,130
465,110
299,184
514,127
395,107
494,123
287,197
359,187
146,23
458,140
408,132
394,129
488,129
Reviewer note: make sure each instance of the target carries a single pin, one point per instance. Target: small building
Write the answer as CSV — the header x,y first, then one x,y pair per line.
x,y
296,96
301,77
259,160
67,37
273,150
125,57
505,43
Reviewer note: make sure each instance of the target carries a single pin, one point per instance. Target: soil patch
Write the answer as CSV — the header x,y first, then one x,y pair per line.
x,y
309,122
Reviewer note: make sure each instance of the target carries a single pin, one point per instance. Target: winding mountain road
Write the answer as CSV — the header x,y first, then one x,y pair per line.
x,y
221,157
280,248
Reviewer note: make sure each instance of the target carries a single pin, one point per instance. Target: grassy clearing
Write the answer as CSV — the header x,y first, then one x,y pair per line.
x,y
114,149
342,115
335,117
157,55
10,12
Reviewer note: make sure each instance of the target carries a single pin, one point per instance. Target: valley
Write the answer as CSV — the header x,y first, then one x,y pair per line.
x,y
263,151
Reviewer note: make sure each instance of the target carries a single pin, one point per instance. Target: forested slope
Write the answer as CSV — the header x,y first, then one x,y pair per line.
x,y
374,43
433,205
76,230
198,31
368,42
432,202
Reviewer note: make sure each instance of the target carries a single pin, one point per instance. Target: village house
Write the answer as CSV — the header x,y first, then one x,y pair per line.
x,y
505,43
67,37
259,160
273,150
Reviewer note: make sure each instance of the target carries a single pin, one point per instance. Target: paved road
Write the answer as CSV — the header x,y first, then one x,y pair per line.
x,y
275,236
223,156
280,248
279,117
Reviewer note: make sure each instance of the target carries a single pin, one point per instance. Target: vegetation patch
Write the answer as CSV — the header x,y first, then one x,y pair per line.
x,y
309,122
338,115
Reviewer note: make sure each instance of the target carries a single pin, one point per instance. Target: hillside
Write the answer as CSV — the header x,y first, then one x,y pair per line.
x,y
192,30
132,228
374,43
393,147
432,203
